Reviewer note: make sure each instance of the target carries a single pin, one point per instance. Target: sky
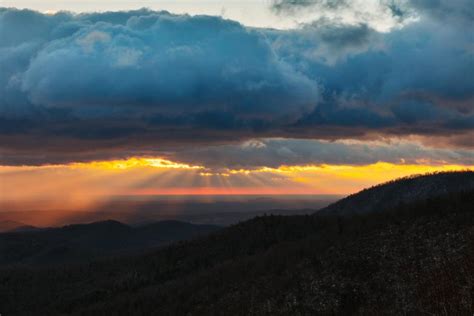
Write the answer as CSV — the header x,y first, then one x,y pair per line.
x,y
107,98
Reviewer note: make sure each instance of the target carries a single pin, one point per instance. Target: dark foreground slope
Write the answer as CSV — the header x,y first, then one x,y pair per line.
x,y
417,258
82,242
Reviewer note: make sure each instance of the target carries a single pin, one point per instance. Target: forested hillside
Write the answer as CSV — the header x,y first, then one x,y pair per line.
x,y
84,242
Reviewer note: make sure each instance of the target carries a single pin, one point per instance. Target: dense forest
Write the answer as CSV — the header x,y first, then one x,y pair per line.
x,y
84,242
415,256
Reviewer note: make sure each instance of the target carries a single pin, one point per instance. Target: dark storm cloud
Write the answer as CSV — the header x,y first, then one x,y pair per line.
x,y
454,10
361,10
79,87
293,5
277,152
172,64
414,79
328,42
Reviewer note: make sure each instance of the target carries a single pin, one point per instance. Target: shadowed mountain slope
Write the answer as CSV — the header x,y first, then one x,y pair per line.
x,y
82,242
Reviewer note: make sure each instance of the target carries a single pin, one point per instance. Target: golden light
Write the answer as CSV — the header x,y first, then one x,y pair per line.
x,y
134,163
347,179
82,185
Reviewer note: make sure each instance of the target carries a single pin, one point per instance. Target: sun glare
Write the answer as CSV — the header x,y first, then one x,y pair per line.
x,y
135,163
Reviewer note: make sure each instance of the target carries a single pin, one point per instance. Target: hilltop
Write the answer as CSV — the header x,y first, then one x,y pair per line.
x,y
402,191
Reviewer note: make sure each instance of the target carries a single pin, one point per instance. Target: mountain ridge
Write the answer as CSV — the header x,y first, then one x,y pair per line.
x,y
10,225
392,194
79,242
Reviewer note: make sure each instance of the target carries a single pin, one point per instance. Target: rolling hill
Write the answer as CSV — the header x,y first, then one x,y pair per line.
x,y
402,191
9,226
82,242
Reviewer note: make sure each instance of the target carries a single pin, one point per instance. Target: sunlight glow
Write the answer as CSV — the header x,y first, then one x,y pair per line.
x,y
135,163
85,185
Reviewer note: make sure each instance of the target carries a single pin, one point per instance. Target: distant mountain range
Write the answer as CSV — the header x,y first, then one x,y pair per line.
x,y
213,210
82,242
412,255
9,226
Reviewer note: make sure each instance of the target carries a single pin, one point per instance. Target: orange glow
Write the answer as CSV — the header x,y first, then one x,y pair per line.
x,y
347,179
220,191
134,163
84,185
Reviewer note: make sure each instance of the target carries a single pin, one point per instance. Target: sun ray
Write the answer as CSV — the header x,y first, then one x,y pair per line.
x,y
80,185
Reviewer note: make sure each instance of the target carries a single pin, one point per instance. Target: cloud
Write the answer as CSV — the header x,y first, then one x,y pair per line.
x,y
293,5
98,85
328,42
162,63
393,11
452,11
409,80
274,153
382,15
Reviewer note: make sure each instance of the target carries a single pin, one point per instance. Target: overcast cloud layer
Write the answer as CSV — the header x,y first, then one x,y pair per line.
x,y
274,153
92,86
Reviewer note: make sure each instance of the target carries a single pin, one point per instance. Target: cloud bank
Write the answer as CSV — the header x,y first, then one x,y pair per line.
x,y
273,153
108,84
